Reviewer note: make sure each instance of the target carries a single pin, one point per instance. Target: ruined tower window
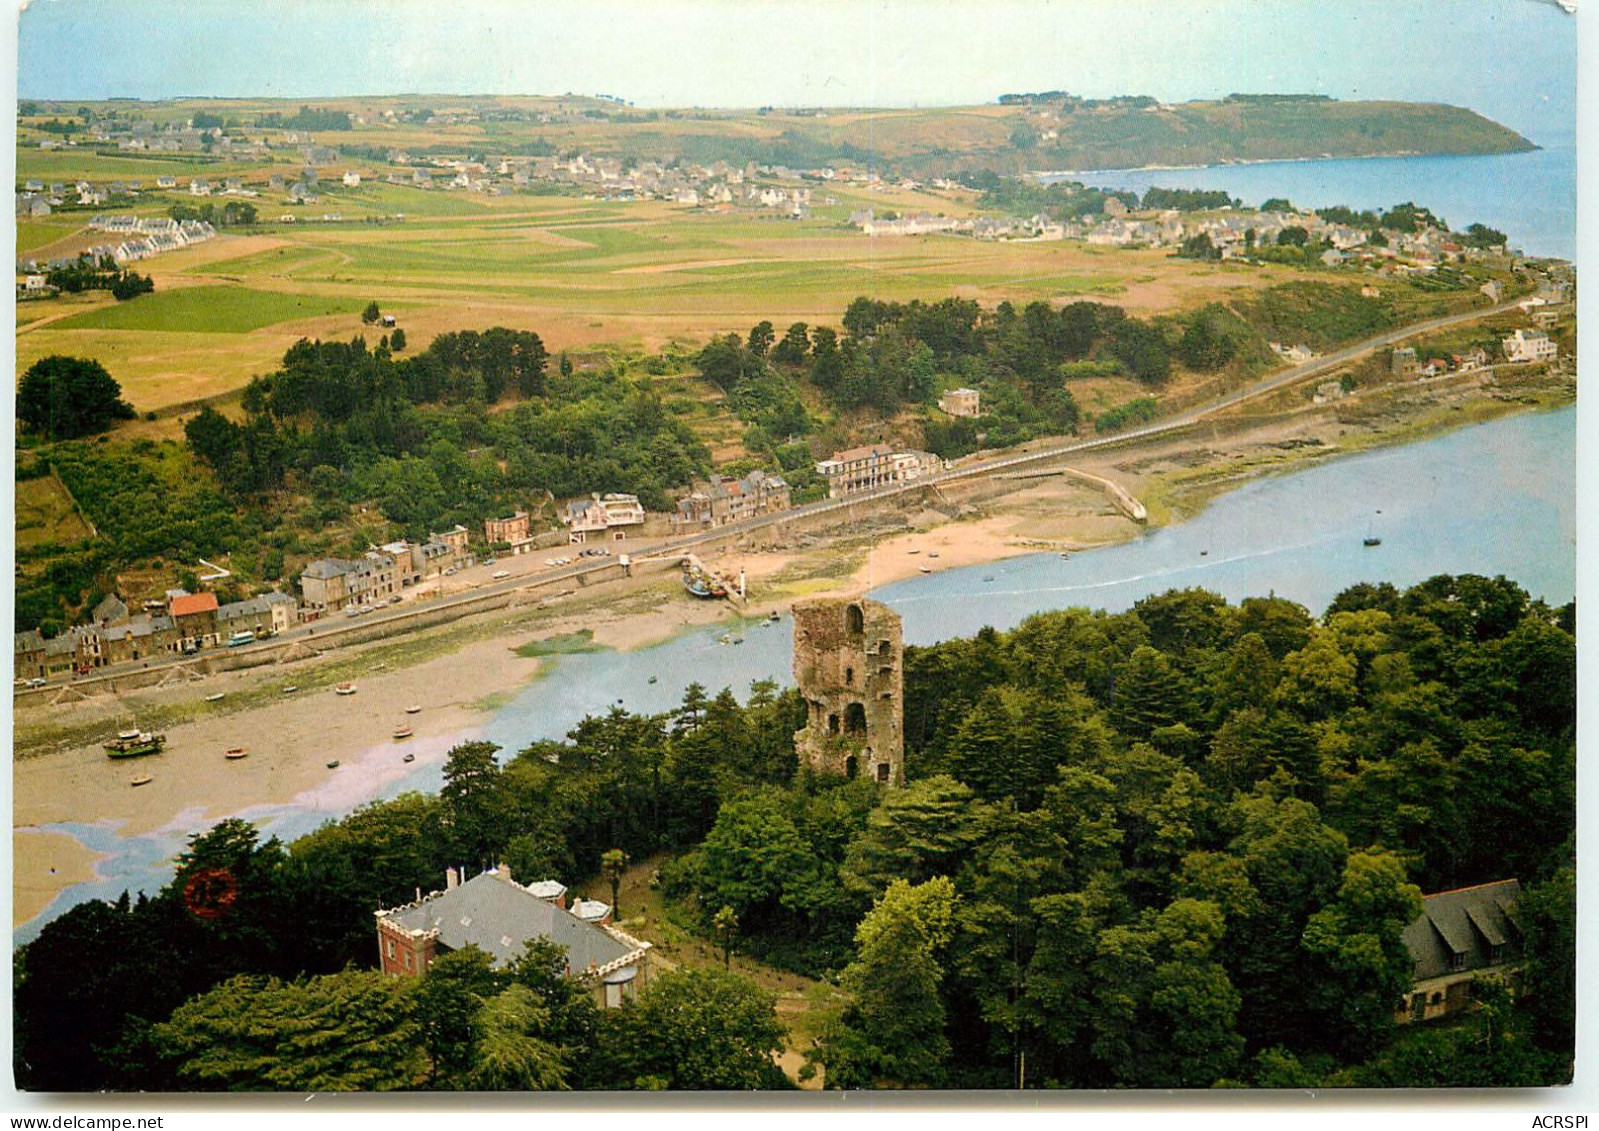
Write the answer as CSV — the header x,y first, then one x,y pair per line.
x,y
855,719
832,724
851,767
882,771
849,676
854,619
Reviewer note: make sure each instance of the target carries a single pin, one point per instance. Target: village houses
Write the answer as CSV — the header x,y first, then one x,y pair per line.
x,y
726,500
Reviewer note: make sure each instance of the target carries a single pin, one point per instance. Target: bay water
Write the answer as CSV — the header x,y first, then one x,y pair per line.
x,y
1531,197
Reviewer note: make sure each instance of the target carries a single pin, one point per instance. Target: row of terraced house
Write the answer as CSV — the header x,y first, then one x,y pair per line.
x,y
183,622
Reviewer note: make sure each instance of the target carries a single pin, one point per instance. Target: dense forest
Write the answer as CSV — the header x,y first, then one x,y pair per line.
x,y
1171,847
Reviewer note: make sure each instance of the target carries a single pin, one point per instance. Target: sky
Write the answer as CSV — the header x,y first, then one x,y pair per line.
x,y
1513,60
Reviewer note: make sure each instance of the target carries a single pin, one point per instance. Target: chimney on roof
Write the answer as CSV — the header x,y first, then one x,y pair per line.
x,y
505,872
452,879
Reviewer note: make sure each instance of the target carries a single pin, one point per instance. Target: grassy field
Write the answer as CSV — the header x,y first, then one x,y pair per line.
x,y
208,310
46,513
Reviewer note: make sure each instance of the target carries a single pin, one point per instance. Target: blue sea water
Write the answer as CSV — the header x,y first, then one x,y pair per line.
x,y
1531,197
1496,498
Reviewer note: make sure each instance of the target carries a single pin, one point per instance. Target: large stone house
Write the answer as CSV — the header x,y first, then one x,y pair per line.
x,y
498,916
1460,936
870,468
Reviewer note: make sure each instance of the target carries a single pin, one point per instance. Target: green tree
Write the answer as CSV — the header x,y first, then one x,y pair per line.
x,y
371,314
1547,913
351,1032
67,397
1361,966
760,338
697,1030
613,866
397,340
725,926
893,1031
476,806
510,1055
449,1001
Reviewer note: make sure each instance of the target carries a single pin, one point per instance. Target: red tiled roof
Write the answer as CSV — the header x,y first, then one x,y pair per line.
x,y
194,603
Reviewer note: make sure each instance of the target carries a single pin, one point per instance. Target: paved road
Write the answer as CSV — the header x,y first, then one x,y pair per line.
x,y
333,629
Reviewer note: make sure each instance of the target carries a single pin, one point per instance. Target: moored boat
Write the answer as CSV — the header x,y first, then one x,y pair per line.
x,y
402,732
234,753
409,758
345,689
333,765
413,709
135,744
142,779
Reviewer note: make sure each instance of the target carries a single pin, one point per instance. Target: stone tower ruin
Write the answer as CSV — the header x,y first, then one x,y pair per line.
x,y
849,658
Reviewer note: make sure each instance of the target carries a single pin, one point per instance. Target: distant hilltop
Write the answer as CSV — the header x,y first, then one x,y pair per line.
x,y
1048,131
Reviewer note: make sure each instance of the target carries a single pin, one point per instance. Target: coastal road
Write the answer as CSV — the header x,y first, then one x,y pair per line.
x,y
601,568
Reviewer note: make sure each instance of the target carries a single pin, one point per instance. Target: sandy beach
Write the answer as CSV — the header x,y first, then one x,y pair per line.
x,y
458,674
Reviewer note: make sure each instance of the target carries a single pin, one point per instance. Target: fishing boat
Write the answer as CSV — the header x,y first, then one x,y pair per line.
x,y
214,698
1370,539
409,758
344,689
652,679
413,709
333,765
698,583
401,732
925,569
913,550
234,753
932,553
142,779
135,744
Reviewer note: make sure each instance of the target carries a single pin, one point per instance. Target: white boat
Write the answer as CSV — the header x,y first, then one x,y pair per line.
x,y
214,698
142,779
413,709
345,689
401,732
235,753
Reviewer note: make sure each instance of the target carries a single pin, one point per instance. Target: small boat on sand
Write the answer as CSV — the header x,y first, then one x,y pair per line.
x,y
135,743
290,689
413,709
234,753
333,765
925,569
214,698
401,732
345,689
142,779
409,758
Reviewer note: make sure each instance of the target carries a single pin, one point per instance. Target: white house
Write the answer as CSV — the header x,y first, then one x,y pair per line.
x,y
1530,345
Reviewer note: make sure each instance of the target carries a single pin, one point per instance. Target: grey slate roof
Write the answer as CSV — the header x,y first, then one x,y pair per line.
x,y
1468,922
498,916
